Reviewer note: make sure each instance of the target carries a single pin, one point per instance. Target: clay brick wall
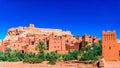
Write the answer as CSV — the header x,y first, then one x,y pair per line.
x,y
89,39
55,44
109,46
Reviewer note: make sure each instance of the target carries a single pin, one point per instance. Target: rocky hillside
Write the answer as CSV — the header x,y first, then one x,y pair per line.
x,y
14,33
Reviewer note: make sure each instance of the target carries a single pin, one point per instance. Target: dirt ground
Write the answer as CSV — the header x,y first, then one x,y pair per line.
x,y
44,65
112,64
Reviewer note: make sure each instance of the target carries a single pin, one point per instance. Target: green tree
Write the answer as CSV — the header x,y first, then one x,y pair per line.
x,y
31,55
8,50
71,55
52,57
42,55
92,52
2,56
100,42
18,54
86,42
41,46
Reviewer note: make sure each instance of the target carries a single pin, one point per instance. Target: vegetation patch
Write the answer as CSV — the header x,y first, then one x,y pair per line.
x,y
89,54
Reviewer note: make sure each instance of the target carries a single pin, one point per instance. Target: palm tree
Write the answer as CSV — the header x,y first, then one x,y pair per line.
x,y
41,47
86,42
8,50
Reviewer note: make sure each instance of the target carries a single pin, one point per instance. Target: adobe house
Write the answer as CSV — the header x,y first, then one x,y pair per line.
x,y
27,38
110,46
89,39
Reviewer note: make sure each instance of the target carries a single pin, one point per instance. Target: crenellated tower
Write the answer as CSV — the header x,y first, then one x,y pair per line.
x,y
109,46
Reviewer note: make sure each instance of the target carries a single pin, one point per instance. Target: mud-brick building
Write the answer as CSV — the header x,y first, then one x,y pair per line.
x,y
110,46
89,39
27,38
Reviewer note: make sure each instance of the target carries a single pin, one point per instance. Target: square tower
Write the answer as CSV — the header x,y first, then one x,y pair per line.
x,y
109,46
31,26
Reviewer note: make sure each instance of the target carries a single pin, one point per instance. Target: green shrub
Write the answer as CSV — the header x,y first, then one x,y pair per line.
x,y
31,54
86,53
41,55
13,59
86,42
41,47
52,62
71,55
32,60
67,57
52,56
91,52
3,58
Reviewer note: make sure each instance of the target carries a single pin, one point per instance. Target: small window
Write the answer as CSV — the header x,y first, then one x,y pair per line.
x,y
32,42
109,48
54,46
119,53
67,41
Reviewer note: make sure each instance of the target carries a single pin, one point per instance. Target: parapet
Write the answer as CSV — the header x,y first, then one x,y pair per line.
x,y
108,31
31,25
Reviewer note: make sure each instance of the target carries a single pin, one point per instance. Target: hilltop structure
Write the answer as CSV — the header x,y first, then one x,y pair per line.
x,y
110,46
26,39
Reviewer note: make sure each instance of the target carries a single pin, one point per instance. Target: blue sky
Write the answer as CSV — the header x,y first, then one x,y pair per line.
x,y
78,16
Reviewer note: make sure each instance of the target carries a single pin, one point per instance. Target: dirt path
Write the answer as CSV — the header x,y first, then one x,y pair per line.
x,y
43,65
112,64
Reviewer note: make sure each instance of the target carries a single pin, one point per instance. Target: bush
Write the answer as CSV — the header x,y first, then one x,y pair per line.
x,y
32,60
67,57
18,54
41,55
52,57
13,59
3,58
87,53
52,62
91,52
31,54
71,55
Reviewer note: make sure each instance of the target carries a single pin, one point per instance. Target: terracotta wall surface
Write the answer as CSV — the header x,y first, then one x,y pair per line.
x,y
110,47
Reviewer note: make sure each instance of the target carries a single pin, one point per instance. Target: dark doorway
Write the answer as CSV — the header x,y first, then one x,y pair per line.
x,y
47,44
22,51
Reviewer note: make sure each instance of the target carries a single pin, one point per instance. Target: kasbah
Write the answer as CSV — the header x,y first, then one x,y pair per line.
x,y
26,39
